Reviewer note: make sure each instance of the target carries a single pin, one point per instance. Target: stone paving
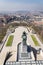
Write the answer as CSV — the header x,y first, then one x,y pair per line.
x,y
17,39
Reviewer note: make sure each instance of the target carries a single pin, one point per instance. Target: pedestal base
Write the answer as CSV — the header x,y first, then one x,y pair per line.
x,y
24,56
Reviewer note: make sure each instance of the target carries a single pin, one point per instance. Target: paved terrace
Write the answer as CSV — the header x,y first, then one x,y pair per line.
x,y
17,39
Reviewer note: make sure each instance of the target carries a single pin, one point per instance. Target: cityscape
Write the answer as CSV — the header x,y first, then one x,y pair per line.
x,y
21,32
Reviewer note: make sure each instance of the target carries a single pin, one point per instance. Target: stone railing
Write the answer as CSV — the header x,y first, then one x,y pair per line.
x,y
25,63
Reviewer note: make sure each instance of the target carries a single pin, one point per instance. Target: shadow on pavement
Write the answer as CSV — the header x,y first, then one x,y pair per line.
x,y
7,57
29,49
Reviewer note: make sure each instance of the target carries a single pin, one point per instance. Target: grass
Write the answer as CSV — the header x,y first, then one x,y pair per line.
x,y
9,42
35,40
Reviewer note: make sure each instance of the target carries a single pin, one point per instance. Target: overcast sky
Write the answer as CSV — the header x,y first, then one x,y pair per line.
x,y
15,5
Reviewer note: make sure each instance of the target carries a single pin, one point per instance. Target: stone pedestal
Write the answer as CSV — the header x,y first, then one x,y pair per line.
x,y
23,53
23,48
